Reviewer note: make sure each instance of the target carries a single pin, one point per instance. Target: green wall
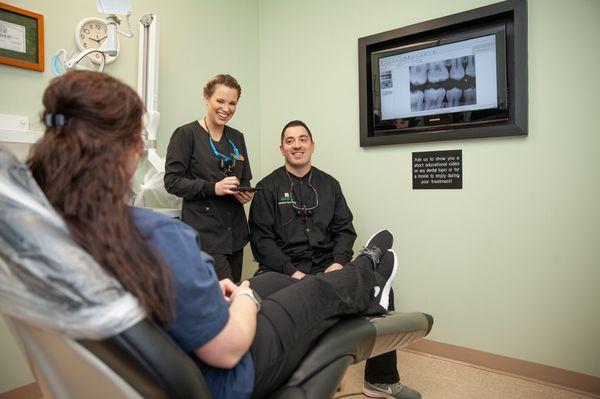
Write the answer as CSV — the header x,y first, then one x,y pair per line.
x,y
510,263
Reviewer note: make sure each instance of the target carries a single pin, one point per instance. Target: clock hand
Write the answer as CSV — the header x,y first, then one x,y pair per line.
x,y
99,40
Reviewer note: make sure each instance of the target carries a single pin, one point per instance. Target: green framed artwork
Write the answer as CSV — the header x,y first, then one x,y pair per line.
x,y
21,38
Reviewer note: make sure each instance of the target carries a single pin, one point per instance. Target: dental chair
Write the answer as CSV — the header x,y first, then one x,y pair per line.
x,y
85,337
143,362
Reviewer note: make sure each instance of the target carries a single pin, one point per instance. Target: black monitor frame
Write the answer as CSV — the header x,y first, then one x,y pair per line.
x,y
465,114
509,18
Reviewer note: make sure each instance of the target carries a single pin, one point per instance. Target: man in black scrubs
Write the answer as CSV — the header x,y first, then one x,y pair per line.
x,y
300,224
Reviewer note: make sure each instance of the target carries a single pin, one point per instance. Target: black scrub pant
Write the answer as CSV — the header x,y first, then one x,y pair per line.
x,y
229,266
383,369
295,313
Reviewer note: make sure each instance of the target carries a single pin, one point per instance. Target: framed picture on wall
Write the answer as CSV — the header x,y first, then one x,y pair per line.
x,y
21,38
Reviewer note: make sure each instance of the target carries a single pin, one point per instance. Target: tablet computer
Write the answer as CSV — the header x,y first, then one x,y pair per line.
x,y
247,189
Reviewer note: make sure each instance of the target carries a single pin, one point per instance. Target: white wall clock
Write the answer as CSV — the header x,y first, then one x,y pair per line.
x,y
91,33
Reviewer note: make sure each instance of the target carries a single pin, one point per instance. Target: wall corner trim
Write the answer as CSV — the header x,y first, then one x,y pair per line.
x,y
29,391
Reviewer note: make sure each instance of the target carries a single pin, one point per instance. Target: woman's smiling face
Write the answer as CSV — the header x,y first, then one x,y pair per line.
x,y
221,105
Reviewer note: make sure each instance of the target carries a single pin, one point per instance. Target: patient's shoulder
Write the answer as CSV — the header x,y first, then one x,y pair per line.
x,y
148,220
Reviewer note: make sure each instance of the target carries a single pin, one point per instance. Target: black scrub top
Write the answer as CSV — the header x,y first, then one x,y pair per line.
x,y
191,172
285,239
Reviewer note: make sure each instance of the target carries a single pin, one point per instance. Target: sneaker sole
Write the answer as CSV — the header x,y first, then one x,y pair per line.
x,y
385,295
370,238
376,394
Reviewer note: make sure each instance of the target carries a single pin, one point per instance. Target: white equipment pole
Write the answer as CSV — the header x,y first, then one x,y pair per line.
x,y
153,184
148,85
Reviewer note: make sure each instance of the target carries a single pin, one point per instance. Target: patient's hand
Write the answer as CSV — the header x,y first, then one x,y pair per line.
x,y
227,348
334,267
227,288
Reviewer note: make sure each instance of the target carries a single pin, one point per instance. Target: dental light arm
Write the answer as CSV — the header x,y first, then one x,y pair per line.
x,y
75,59
114,7
109,47
152,190
148,85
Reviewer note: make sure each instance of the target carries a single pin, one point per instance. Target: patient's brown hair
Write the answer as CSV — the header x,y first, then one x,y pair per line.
x,y
85,167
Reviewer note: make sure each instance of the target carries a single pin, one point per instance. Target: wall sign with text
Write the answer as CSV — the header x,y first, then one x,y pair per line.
x,y
437,169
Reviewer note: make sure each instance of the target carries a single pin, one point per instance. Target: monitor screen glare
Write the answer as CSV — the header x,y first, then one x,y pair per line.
x,y
453,77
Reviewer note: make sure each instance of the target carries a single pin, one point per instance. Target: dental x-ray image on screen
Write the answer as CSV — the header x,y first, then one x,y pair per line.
x,y
457,77
449,78
443,84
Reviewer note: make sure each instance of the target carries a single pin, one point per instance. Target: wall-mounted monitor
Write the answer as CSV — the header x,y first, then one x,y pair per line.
x,y
452,78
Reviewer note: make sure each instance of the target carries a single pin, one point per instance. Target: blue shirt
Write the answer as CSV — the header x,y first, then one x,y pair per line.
x,y
201,312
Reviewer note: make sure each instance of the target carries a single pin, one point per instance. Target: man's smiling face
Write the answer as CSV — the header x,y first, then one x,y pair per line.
x,y
297,147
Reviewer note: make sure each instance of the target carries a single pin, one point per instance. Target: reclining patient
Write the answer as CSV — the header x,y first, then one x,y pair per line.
x,y
244,347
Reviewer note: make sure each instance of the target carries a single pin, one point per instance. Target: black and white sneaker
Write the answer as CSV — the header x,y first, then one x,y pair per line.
x,y
377,245
385,273
390,391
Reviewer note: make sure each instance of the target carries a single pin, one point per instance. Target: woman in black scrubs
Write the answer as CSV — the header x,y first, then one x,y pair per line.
x,y
206,162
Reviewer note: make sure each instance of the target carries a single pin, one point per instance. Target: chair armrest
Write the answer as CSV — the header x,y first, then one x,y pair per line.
x,y
352,341
396,330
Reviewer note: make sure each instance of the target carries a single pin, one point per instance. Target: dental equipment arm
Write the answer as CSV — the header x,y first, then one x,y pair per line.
x,y
148,86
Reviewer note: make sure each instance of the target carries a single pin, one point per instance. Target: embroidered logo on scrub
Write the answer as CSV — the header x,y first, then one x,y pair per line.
x,y
285,199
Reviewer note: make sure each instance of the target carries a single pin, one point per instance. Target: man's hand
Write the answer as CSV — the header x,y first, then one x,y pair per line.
x,y
334,267
243,196
226,185
298,275
227,288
